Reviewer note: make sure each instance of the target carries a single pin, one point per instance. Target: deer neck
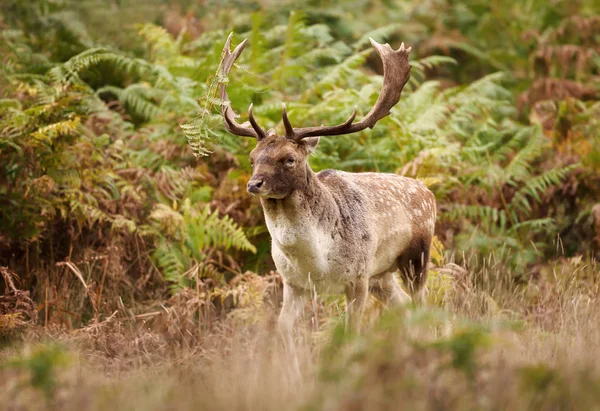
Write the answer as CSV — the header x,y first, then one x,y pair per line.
x,y
307,202
300,223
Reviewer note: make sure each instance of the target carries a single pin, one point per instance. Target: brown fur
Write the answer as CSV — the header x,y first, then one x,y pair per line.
x,y
336,231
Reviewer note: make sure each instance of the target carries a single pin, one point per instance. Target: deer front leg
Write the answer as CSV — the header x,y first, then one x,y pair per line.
x,y
294,300
356,297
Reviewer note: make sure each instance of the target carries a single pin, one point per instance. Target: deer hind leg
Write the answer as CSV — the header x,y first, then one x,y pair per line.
x,y
356,297
413,270
386,289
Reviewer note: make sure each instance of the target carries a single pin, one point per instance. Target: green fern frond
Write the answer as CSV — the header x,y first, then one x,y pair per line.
x,y
171,261
88,214
167,220
534,225
207,229
338,75
176,183
519,167
538,185
204,41
62,128
7,104
140,100
162,45
509,144
71,27
198,134
119,223
321,56
71,70
292,47
474,213
188,234
421,110
380,35
70,178
420,66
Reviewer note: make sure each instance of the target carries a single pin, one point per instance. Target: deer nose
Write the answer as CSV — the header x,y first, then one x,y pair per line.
x,y
254,186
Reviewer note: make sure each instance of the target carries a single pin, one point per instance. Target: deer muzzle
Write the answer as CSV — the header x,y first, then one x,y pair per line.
x,y
255,185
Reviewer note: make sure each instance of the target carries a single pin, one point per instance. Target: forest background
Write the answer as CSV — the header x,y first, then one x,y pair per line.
x,y
129,245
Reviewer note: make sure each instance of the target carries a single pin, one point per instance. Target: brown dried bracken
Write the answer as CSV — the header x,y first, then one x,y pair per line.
x,y
555,89
584,28
16,307
569,58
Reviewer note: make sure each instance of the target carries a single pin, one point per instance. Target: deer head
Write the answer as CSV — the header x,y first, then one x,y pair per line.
x,y
279,162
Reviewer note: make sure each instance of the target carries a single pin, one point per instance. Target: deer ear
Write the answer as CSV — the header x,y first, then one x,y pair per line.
x,y
311,143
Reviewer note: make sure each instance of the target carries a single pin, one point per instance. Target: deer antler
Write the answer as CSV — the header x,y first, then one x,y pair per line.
x,y
233,126
396,72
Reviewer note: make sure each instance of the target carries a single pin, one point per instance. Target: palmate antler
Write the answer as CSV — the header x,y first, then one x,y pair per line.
x,y
396,72
228,115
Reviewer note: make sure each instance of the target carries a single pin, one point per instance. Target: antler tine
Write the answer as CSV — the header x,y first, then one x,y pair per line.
x,y
396,72
231,124
289,129
259,131
291,132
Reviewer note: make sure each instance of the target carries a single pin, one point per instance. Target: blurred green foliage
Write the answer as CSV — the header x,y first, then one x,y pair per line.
x,y
41,363
104,104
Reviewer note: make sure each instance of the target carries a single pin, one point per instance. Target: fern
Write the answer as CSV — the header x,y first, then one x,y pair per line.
x,y
140,100
420,66
171,261
62,128
380,35
90,143
207,229
72,70
538,185
477,213
519,167
162,46
534,225
292,47
190,233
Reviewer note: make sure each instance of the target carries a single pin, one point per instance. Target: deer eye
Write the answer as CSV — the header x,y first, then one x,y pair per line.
x,y
290,162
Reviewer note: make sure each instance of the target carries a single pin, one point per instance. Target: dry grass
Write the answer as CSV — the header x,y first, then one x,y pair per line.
x,y
488,344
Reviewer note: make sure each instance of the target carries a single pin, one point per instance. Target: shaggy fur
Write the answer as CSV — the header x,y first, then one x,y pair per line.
x,y
336,231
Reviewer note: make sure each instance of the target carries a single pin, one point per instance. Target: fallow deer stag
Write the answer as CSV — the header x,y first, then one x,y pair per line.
x,y
333,230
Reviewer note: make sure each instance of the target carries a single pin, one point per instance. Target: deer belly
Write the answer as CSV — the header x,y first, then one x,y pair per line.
x,y
390,247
